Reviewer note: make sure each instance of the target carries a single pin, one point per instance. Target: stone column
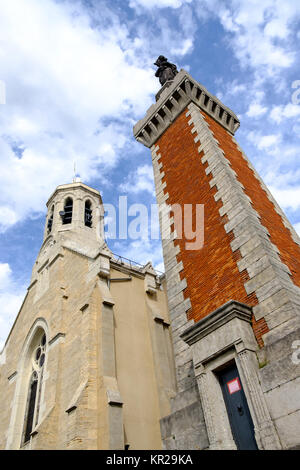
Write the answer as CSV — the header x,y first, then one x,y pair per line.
x,y
218,435
265,432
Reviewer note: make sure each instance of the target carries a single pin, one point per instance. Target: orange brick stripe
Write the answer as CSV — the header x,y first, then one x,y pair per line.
x,y
260,327
280,234
211,273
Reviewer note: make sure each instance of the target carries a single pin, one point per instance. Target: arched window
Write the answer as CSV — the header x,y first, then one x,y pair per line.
x,y
50,220
88,214
35,386
68,211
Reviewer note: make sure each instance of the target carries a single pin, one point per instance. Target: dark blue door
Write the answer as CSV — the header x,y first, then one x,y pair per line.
x,y
237,408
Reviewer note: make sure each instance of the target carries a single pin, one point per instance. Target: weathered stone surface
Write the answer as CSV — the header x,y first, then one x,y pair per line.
x,y
186,427
102,337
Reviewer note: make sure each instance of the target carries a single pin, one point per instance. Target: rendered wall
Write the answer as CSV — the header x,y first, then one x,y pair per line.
x,y
109,372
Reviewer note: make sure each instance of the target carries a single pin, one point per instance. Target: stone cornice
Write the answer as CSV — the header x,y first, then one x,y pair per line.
x,y
172,100
127,269
72,187
220,316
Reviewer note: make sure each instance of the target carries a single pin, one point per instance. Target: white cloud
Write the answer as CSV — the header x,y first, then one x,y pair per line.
x,y
267,141
139,180
142,251
5,274
279,113
264,142
148,4
232,92
186,46
64,81
288,197
11,297
8,218
260,32
276,28
237,88
282,179
69,70
256,110
296,128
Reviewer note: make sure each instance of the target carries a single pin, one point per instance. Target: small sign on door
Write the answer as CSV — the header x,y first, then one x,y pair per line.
x,y
234,386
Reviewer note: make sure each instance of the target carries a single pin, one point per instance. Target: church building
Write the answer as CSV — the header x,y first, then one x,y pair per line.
x,y
107,354
88,363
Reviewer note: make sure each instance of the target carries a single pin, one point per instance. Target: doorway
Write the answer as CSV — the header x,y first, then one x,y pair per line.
x,y
237,408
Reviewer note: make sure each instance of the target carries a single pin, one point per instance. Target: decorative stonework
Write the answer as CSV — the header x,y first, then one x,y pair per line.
x,y
178,305
150,281
173,100
185,404
251,258
278,209
216,319
19,401
57,339
265,432
12,377
224,335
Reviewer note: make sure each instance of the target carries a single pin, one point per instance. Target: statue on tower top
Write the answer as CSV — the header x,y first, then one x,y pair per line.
x,y
166,71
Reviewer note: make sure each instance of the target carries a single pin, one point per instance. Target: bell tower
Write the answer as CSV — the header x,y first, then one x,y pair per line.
x,y
234,300
75,208
75,219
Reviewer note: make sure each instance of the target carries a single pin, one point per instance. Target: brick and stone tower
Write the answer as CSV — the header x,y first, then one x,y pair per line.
x,y
234,302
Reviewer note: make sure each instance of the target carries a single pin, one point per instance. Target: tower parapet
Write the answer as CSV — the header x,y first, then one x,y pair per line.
x,y
172,99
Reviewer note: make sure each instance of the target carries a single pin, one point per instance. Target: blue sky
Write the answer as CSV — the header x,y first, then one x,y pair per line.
x,y
79,74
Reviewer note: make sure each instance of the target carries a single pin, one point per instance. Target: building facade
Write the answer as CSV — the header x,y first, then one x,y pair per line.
x,y
234,302
88,363
106,354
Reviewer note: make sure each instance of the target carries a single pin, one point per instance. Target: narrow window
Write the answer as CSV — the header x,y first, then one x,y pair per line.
x,y
35,387
31,406
50,220
68,211
88,214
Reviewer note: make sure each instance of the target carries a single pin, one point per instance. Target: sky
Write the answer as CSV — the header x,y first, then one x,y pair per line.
x,y
77,75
